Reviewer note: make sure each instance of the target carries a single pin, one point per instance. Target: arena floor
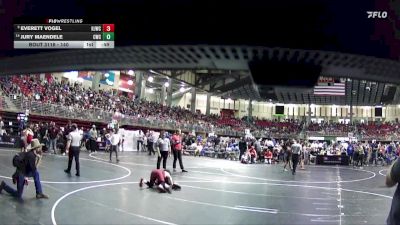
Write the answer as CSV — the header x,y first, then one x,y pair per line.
x,y
214,191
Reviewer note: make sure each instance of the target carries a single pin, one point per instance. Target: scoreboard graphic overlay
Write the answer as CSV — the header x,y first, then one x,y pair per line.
x,y
63,36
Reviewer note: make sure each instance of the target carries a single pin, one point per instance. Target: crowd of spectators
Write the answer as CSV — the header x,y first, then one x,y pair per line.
x,y
76,97
378,131
287,127
325,128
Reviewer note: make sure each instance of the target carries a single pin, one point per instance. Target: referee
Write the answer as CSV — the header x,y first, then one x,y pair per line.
x,y
73,148
296,151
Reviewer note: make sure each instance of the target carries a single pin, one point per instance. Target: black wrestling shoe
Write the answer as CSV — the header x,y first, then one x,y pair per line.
x,y
176,187
184,171
141,182
2,186
39,196
77,174
67,171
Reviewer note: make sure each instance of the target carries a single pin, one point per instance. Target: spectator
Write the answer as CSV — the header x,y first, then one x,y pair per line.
x,y
93,139
268,157
140,139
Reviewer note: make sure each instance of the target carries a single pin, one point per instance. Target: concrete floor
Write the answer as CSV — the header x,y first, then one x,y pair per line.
x,y
215,191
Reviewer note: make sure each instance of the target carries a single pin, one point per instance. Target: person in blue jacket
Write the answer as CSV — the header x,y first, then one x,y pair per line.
x,y
350,150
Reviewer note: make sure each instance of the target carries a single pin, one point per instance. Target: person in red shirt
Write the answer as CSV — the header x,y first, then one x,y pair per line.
x,y
162,179
253,154
177,149
268,157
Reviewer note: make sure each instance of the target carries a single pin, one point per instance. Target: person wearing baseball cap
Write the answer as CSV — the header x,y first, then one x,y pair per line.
x,y
26,164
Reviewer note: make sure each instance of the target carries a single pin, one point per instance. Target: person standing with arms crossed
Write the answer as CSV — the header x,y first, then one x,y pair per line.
x,y
164,149
93,139
115,140
296,150
73,149
139,142
150,142
177,150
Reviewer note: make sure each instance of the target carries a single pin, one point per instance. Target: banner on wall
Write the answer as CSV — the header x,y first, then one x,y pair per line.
x,y
107,78
86,75
127,83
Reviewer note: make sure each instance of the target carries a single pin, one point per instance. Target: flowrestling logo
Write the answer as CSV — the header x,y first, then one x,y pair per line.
x,y
377,14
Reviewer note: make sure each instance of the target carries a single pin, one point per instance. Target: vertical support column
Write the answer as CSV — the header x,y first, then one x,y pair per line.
x,y
163,94
193,101
139,84
250,108
143,89
117,79
351,114
96,81
169,95
353,94
309,114
208,105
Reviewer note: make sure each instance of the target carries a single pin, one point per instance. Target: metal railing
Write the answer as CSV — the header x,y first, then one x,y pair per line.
x,y
21,104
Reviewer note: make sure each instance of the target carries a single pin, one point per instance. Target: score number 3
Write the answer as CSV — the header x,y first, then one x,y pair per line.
x,y
108,27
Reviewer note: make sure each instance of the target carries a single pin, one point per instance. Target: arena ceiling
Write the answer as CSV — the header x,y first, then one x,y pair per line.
x,y
224,71
209,44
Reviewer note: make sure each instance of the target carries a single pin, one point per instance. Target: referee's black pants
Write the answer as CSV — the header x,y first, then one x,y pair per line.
x,y
242,151
164,157
150,146
295,161
74,153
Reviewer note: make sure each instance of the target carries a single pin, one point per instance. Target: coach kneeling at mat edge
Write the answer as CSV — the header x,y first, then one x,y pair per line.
x,y
74,141
26,167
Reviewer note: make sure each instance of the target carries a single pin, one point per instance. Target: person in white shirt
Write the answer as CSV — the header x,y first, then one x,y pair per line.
x,y
73,149
140,138
81,133
150,142
164,149
115,139
296,151
2,131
